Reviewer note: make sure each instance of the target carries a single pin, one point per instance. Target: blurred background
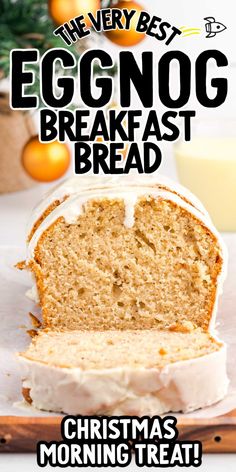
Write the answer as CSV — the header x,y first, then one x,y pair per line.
x,y
207,165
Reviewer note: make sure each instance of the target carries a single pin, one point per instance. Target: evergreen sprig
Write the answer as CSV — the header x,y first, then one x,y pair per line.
x,y
27,24
24,24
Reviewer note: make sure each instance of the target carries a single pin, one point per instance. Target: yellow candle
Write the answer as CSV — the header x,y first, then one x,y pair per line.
x,y
207,166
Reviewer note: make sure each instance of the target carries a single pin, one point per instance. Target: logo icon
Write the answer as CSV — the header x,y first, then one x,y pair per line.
x,y
213,27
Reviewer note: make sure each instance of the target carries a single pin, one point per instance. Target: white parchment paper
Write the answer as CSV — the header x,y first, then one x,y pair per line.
x,y
14,308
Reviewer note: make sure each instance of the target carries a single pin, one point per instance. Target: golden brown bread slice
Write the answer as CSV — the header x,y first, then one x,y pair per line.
x,y
123,372
97,273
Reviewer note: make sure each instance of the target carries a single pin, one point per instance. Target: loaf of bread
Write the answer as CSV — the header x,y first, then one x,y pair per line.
x,y
126,257
128,274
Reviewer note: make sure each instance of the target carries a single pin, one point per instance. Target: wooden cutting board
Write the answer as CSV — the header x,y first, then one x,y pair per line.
x,y
21,434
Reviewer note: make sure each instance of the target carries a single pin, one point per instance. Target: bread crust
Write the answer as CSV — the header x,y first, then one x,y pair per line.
x,y
58,202
26,395
47,212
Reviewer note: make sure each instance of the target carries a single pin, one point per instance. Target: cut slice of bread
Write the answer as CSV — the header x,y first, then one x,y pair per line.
x,y
106,268
131,372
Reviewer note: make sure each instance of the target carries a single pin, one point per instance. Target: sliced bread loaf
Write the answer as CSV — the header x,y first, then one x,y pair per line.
x,y
128,276
142,372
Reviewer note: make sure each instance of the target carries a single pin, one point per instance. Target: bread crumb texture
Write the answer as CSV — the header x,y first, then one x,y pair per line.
x,y
114,349
97,274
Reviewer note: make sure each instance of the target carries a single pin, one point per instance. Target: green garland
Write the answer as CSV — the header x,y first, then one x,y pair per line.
x,y
24,24
27,24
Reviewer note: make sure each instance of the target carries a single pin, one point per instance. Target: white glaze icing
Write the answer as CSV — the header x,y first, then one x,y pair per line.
x,y
181,386
32,294
79,184
71,208
130,211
